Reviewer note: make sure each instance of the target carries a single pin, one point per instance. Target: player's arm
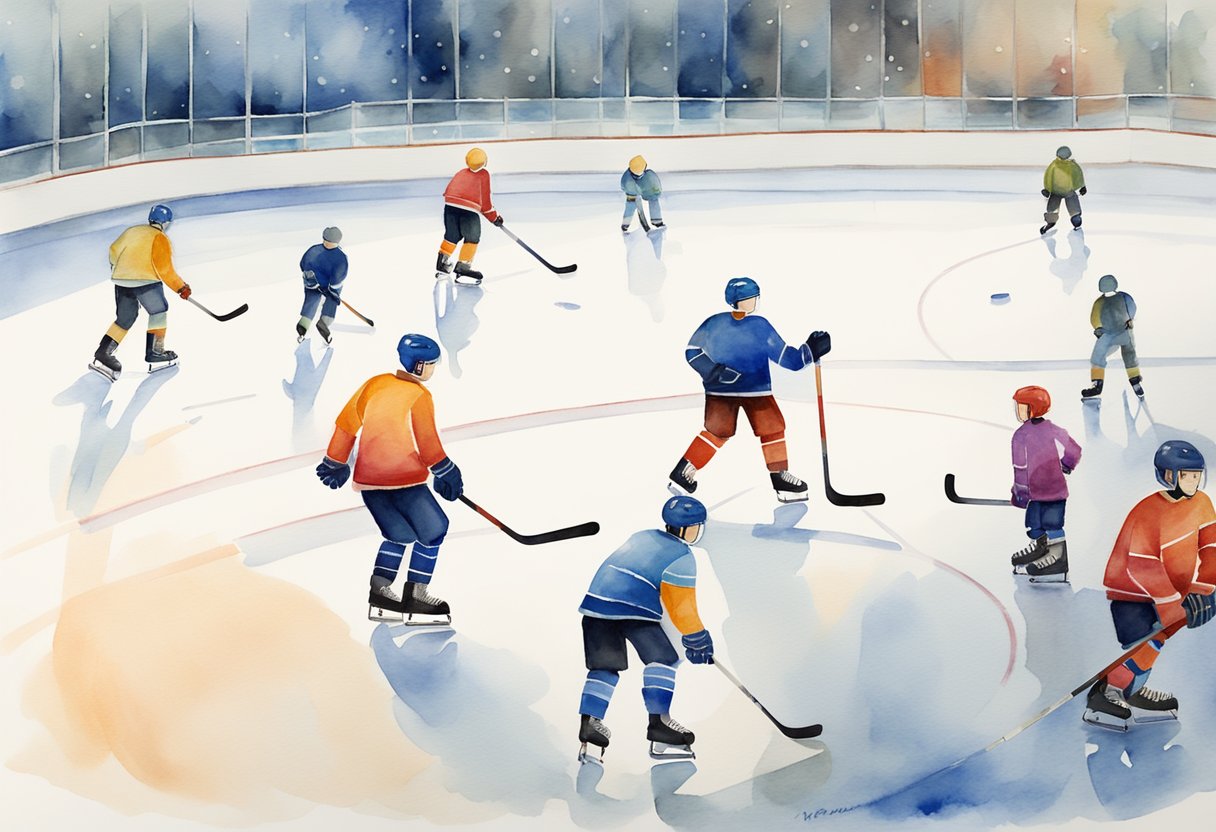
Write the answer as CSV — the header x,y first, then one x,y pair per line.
x,y
1131,308
1048,175
487,203
449,482
695,353
679,595
336,279
785,355
652,183
1095,315
1021,471
1079,177
162,262
114,252
1146,569
1207,544
1072,451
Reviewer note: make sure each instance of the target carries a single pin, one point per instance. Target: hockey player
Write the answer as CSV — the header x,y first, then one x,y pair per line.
x,y
323,268
1160,577
141,265
1038,484
400,445
731,352
639,181
1112,317
467,195
653,571
1063,180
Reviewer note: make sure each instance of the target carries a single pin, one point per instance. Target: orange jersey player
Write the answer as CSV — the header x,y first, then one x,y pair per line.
x,y
1161,576
465,200
141,265
398,449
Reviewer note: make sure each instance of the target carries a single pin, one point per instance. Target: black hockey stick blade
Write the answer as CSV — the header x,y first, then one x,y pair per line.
x,y
240,310
834,496
581,530
532,251
804,732
953,496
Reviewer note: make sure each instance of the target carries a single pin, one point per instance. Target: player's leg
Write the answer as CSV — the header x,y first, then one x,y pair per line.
x,y
1127,347
308,310
470,230
1073,203
418,506
451,238
126,310
397,534
605,658
1052,215
721,416
1053,565
668,738
768,424
152,299
656,212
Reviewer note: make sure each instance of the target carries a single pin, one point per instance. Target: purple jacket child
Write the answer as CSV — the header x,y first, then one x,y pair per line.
x,y
1038,468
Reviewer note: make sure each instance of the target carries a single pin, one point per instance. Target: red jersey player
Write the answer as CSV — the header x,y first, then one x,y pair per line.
x,y
466,196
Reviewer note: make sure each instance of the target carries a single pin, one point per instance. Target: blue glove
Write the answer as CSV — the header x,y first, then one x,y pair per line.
x,y
1199,609
448,482
310,280
334,474
820,343
721,374
698,647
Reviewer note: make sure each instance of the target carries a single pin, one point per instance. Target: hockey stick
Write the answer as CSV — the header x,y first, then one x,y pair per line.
x,y
240,310
581,530
532,251
642,217
806,732
355,312
953,497
834,496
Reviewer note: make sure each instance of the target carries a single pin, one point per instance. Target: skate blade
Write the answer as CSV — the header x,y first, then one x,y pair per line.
x,y
1149,717
164,365
417,620
461,280
1107,721
375,613
786,497
1061,578
101,371
585,757
442,275
663,751
1019,570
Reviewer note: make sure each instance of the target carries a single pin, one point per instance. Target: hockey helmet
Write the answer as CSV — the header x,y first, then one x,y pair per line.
x,y
637,165
682,512
415,350
475,159
1107,283
1177,455
1035,398
332,234
160,214
1064,152
741,288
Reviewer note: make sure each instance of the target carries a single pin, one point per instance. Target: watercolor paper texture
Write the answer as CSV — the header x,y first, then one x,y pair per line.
x,y
185,642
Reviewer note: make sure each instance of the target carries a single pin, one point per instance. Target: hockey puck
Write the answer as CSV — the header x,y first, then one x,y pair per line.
x,y
1000,297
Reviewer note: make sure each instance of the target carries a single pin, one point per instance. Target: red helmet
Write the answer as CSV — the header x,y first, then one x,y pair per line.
x,y
1034,397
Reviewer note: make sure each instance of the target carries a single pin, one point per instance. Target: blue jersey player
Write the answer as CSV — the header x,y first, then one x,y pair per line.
x,y
731,351
323,268
652,571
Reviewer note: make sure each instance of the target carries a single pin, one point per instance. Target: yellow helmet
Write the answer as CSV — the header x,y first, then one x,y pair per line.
x,y
637,165
475,159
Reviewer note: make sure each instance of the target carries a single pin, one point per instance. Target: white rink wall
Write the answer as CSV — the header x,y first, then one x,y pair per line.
x,y
34,204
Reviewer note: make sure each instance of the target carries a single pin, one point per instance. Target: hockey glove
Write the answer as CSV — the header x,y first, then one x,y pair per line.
x,y
499,221
310,280
334,474
1084,190
448,482
630,198
698,647
1065,469
1131,324
1019,500
1199,609
1045,192
1099,332
721,374
820,343
184,292
335,296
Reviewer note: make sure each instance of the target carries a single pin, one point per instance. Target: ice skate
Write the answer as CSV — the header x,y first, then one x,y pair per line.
x,y
1047,227
683,478
658,224
422,609
1052,567
1153,706
669,740
323,331
625,227
156,355
383,603
1034,551
466,275
301,332
1093,390
104,361
443,266
593,731
1076,221
789,488
1134,381
1106,708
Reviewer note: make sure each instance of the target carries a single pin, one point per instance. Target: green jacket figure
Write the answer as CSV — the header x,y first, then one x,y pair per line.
x,y
1063,180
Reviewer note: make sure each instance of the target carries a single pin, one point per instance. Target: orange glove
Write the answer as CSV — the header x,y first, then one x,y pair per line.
x,y
184,292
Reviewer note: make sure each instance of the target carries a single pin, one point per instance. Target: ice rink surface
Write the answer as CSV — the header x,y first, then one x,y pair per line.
x,y
565,399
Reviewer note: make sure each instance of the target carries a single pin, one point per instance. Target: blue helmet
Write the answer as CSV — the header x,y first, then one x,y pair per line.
x,y
414,350
1107,283
160,214
681,512
1177,455
741,288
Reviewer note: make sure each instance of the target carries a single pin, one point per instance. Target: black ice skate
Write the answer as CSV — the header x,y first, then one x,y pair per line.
x,y
1076,221
1153,706
156,355
789,488
422,609
1052,568
1047,227
382,603
104,361
443,266
1034,551
1092,390
669,740
1134,381
658,223
625,226
593,731
300,333
683,478
466,275
323,331
1106,708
